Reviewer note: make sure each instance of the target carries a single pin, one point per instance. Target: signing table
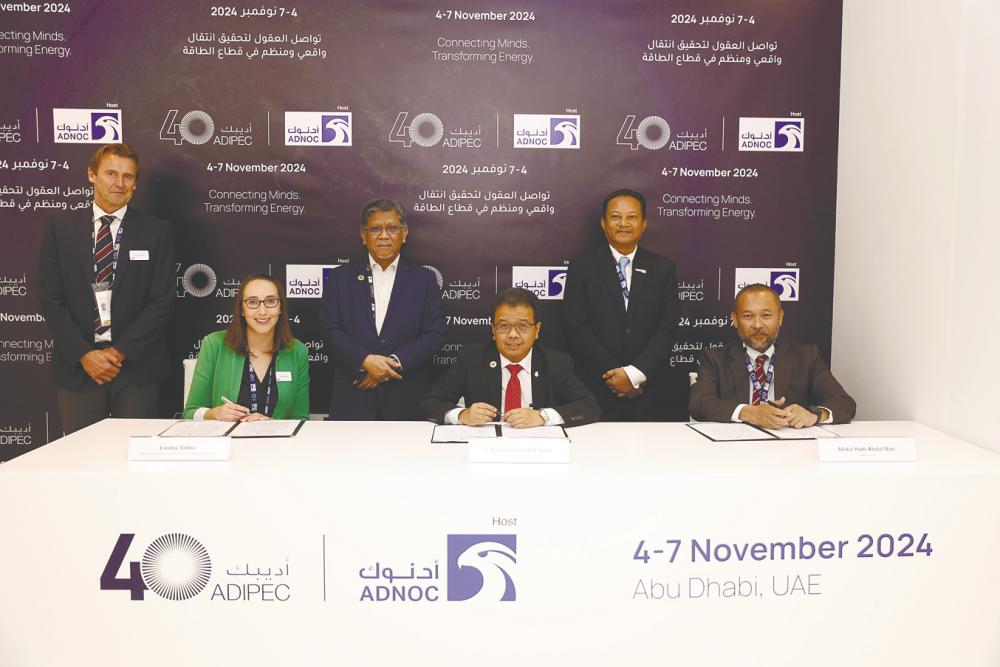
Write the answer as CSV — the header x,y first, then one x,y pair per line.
x,y
364,544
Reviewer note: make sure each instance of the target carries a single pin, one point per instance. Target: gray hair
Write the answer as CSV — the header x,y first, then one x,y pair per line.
x,y
380,205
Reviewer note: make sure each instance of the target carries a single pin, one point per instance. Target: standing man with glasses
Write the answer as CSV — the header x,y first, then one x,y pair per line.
x,y
512,379
622,310
107,277
382,322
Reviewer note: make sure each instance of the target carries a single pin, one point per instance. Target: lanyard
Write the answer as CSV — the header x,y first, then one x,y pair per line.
x,y
760,390
371,291
114,253
269,377
622,281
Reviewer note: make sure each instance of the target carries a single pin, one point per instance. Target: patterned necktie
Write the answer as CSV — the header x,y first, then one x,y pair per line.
x,y
759,394
103,260
622,265
512,399
104,250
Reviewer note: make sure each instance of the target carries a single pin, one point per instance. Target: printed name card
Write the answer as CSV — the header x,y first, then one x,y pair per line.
x,y
519,450
867,449
157,448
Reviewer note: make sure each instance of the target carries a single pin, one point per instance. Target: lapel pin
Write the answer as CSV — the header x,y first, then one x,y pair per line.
x,y
493,364
640,270
360,277
536,373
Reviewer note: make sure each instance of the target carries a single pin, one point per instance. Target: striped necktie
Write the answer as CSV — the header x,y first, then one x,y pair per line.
x,y
103,261
104,251
759,394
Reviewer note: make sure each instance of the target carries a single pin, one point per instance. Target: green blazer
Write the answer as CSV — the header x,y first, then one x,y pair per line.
x,y
219,373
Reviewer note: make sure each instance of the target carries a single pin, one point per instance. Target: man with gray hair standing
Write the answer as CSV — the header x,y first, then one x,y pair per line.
x,y
382,322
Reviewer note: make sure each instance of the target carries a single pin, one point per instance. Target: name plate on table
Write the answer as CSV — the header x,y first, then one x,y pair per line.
x,y
519,450
157,448
867,449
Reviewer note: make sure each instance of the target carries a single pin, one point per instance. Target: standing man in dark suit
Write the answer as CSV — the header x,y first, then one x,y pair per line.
x,y
621,308
383,322
511,379
765,381
108,261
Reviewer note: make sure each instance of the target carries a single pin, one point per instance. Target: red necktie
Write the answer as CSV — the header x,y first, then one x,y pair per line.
x,y
759,395
512,399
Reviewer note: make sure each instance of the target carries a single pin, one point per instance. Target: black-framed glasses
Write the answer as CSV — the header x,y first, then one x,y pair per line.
x,y
503,328
391,230
253,303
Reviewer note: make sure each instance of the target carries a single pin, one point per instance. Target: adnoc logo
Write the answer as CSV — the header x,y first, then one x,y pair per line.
x,y
780,135
318,128
87,126
546,131
482,566
783,281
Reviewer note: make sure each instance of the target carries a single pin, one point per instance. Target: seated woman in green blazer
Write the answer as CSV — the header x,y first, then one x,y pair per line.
x,y
254,369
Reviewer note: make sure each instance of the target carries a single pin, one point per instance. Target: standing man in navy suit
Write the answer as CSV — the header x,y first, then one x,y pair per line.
x,y
622,311
107,279
382,322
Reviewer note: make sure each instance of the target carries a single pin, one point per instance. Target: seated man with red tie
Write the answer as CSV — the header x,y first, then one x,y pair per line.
x,y
512,379
765,381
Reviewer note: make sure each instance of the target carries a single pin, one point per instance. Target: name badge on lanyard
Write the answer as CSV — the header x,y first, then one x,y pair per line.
x,y
102,295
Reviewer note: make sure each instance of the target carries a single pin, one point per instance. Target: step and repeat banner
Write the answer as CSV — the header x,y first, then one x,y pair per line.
x,y
264,128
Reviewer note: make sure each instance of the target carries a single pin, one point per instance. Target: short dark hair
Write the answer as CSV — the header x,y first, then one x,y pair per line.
x,y
121,150
379,205
757,287
517,296
236,332
624,192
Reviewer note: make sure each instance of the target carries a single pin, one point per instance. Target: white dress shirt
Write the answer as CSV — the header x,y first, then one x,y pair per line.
x,y
115,226
551,416
382,282
635,376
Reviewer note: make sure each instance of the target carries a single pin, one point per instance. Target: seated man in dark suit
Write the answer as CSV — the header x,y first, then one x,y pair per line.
x,y
765,381
534,386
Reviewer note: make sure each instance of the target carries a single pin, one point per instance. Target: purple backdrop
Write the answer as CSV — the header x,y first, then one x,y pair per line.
x,y
424,104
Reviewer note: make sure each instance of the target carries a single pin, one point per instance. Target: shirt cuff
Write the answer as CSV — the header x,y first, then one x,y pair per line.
x,y
552,417
396,359
200,413
635,376
829,415
451,417
736,412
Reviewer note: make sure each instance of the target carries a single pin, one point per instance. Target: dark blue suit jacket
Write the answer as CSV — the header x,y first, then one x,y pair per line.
x,y
413,330
143,301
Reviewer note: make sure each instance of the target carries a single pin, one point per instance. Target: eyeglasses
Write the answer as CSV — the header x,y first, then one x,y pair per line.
x,y
391,230
253,303
503,328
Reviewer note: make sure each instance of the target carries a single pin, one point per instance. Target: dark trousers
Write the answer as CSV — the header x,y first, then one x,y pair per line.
x,y
79,408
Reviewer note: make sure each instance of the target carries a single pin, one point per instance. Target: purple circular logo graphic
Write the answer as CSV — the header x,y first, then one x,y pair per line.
x,y
176,566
